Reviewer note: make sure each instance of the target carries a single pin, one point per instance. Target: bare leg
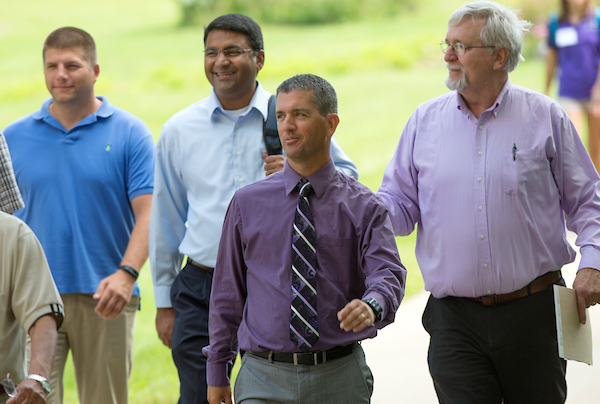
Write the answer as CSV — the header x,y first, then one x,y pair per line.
x,y
577,119
594,139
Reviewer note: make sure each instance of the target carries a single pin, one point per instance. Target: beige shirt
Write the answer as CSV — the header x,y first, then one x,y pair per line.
x,y
27,292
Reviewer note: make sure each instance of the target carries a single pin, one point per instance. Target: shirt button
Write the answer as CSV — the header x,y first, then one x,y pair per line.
x,y
485,265
478,179
480,127
480,152
480,207
237,126
482,237
241,179
495,113
489,292
239,152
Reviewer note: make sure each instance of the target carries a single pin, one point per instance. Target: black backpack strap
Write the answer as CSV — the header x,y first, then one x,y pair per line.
x,y
270,134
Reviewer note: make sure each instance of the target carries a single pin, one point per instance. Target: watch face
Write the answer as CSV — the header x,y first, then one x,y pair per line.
x,y
46,386
377,310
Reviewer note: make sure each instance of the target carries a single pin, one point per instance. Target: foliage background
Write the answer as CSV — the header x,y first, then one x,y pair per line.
x,y
382,57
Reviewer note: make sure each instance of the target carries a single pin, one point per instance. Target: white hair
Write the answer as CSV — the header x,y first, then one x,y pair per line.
x,y
459,84
503,28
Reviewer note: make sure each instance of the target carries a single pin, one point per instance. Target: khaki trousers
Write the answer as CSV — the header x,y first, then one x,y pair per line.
x,y
102,351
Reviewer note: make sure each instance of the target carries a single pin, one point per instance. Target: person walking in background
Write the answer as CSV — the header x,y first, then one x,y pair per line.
x,y
204,154
574,55
488,172
29,305
10,196
85,169
296,290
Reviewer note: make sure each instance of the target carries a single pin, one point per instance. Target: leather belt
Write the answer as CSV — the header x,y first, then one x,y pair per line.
x,y
537,285
308,358
202,267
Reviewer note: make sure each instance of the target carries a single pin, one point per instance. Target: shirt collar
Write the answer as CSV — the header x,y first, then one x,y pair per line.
x,y
105,110
502,98
319,180
259,101
496,106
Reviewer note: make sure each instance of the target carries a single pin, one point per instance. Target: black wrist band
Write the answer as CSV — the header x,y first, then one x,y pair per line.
x,y
130,270
377,310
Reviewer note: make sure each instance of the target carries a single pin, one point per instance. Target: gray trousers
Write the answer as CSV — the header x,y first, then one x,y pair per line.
x,y
347,380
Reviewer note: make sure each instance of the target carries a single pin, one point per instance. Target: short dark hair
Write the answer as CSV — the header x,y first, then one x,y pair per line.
x,y
71,37
238,23
324,96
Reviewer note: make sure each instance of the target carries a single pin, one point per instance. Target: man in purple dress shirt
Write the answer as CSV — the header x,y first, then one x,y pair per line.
x,y
359,277
488,173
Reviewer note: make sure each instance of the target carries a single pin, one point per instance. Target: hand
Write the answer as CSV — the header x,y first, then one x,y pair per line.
x,y
218,395
114,293
273,163
587,290
356,316
30,392
165,317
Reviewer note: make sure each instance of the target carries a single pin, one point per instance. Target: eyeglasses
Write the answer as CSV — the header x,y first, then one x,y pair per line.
x,y
231,52
458,48
9,386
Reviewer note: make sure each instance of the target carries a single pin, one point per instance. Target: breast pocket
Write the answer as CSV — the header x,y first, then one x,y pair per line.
x,y
523,171
336,258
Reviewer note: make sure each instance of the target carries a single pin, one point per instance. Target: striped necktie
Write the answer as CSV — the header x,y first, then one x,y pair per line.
x,y
303,323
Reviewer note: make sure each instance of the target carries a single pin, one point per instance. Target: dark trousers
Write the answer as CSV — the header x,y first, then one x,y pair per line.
x,y
190,296
485,355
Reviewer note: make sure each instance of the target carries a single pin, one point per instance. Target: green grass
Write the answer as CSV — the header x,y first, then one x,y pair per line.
x,y
381,71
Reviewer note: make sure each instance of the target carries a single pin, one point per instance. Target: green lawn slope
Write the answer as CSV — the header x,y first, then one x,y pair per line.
x,y
381,71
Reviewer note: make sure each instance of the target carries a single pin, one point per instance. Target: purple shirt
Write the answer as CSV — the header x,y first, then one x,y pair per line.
x,y
578,49
357,257
488,194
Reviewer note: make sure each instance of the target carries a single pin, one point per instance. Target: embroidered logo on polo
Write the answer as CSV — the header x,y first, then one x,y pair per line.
x,y
304,330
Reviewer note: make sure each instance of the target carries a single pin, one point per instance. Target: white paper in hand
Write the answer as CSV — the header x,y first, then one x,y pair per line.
x,y
574,338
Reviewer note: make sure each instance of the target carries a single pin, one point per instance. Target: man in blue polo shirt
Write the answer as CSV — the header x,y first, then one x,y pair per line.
x,y
85,169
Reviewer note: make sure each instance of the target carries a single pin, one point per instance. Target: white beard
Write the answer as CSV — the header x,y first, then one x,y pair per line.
x,y
459,84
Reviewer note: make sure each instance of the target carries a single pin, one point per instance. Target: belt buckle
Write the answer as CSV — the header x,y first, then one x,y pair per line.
x,y
489,300
314,354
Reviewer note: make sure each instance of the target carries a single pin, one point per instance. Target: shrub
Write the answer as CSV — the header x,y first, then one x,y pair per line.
x,y
291,11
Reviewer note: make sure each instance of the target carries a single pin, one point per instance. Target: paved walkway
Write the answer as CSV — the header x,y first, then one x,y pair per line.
x,y
398,357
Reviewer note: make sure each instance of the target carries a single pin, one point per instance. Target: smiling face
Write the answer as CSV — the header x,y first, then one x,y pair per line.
x,y
305,134
69,76
233,77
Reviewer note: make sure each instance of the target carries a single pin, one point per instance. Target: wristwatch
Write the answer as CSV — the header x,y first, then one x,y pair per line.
x,y
130,270
42,380
375,307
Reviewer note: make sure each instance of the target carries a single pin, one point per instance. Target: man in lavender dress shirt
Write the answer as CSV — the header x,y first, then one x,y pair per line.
x,y
488,173
359,277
